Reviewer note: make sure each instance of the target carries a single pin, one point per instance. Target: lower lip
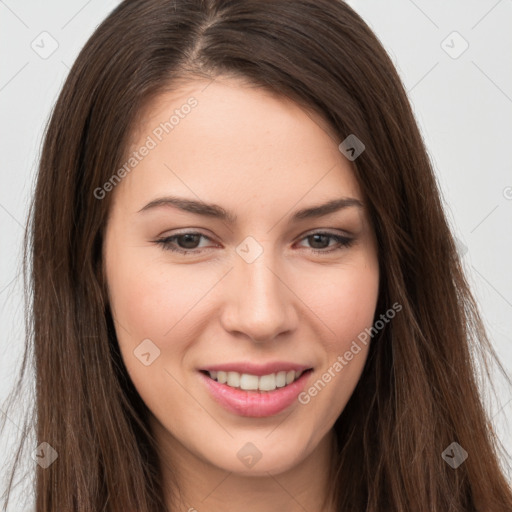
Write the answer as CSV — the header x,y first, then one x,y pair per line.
x,y
255,404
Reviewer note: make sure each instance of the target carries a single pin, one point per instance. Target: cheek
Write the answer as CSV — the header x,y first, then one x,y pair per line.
x,y
150,301
346,304
346,308
149,297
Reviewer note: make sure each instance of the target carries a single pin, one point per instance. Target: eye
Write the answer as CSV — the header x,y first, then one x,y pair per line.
x,y
186,243
188,240
321,238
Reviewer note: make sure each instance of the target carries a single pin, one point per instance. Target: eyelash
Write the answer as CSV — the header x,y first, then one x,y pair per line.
x,y
166,242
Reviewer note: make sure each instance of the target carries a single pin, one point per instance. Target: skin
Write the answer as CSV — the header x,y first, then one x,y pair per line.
x,y
262,157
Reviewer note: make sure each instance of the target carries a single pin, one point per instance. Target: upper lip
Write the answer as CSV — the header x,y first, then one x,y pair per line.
x,y
257,369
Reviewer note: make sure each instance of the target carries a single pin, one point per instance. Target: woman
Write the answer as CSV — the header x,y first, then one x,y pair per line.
x,y
315,352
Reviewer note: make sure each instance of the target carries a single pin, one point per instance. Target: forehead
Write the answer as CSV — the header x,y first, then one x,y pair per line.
x,y
227,140
222,103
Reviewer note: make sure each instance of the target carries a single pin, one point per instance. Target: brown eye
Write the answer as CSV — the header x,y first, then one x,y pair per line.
x,y
187,243
319,239
188,240
184,243
320,242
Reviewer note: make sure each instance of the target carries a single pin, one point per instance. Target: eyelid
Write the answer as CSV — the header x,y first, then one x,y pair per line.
x,y
323,231
343,241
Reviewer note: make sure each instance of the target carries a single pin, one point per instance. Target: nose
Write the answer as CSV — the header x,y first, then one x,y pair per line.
x,y
260,304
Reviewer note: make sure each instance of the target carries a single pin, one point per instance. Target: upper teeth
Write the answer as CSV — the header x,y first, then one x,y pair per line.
x,y
250,382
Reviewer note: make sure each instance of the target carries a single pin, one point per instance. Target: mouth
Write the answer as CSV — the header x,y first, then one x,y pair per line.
x,y
256,383
259,394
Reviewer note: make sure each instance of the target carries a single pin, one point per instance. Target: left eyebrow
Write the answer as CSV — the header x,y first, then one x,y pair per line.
x,y
324,209
215,211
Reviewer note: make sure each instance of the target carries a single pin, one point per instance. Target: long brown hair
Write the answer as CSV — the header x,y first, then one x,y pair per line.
x,y
419,391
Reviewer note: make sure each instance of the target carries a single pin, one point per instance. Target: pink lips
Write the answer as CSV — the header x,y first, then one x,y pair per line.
x,y
256,404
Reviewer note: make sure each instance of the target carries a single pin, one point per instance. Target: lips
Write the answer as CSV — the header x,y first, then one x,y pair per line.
x,y
255,402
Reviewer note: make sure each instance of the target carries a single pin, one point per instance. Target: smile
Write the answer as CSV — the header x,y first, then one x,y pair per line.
x,y
246,394
249,382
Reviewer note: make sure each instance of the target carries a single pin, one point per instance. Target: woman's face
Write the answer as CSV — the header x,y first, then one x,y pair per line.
x,y
256,293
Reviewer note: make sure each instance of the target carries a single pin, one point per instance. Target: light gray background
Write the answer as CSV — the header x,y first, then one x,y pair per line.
x,y
463,104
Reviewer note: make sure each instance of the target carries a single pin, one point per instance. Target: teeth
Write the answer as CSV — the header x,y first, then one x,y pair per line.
x,y
249,382
267,382
233,379
280,379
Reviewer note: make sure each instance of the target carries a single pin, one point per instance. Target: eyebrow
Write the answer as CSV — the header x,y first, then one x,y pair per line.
x,y
215,211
